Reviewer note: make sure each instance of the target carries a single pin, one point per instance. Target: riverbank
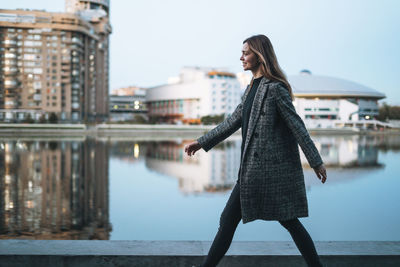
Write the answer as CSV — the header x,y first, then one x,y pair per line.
x,y
66,253
17,128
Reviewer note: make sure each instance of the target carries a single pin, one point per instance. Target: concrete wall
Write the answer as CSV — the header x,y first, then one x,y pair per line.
x,y
65,253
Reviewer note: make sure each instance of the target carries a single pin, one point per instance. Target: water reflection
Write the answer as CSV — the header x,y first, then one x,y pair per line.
x,y
59,188
54,189
217,170
347,151
214,171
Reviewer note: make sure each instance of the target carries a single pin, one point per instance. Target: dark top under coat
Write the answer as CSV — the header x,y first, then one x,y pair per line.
x,y
247,109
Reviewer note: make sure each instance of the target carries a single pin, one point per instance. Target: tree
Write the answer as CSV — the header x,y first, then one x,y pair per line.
x,y
42,119
215,119
387,112
139,119
53,118
28,119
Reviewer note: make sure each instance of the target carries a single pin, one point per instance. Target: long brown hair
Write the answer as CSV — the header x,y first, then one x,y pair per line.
x,y
262,47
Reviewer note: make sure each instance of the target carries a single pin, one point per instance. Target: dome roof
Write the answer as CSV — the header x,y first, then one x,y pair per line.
x,y
308,85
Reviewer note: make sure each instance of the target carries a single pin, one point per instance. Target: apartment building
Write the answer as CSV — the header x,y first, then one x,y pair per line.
x,y
55,63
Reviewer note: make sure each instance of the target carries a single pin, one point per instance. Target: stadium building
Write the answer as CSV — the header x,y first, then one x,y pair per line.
x,y
327,102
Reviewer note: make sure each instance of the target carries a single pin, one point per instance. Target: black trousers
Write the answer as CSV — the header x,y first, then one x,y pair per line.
x,y
230,219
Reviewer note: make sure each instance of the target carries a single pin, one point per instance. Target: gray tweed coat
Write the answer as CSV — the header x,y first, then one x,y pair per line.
x,y
271,176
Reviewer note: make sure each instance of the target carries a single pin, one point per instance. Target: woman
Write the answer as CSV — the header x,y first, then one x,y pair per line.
x,y
270,183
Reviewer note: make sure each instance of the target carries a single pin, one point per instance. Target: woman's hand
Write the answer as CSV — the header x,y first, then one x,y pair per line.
x,y
321,173
191,148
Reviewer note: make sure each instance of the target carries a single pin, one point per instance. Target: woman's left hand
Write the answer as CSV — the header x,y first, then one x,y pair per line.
x,y
321,173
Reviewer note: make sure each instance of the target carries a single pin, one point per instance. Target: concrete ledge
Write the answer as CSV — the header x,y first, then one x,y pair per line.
x,y
41,126
47,129
65,253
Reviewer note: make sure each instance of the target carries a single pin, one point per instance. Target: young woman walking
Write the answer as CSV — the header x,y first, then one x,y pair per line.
x,y
270,183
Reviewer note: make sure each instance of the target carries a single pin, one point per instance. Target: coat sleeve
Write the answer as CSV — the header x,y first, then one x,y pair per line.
x,y
296,125
230,125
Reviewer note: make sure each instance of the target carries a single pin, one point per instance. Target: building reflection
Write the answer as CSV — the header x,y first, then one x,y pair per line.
x,y
353,151
217,170
127,151
54,189
214,171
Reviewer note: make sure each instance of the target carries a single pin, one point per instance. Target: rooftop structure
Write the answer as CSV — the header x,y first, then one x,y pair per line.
x,y
307,85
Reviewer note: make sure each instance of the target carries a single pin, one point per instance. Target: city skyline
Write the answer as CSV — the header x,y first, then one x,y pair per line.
x,y
354,40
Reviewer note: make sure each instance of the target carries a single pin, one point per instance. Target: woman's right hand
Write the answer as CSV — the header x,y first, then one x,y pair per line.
x,y
191,148
321,173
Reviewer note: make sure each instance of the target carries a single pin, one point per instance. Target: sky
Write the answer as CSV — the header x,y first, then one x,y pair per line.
x,y
356,40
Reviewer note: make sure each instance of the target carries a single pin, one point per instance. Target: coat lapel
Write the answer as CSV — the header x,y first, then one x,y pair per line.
x,y
255,110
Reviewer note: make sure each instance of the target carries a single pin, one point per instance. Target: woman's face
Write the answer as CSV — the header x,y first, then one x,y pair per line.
x,y
249,58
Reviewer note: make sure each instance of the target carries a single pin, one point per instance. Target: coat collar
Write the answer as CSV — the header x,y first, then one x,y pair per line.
x,y
255,109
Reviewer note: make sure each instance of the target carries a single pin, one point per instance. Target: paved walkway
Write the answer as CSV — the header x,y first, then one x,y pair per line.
x,y
77,253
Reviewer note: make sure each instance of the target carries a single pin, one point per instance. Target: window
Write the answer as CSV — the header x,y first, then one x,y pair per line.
x,y
10,82
37,85
9,55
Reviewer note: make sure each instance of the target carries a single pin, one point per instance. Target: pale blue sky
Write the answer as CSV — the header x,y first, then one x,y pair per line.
x,y
358,40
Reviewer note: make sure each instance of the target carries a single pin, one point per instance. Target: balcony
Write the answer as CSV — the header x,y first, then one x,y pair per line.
x,y
8,43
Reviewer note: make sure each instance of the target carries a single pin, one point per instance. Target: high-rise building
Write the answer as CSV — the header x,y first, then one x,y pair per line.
x,y
55,63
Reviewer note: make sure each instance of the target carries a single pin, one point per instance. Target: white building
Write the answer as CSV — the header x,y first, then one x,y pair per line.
x,y
197,92
327,102
321,101
211,172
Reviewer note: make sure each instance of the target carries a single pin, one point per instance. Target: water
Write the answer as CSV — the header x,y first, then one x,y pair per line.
x,y
148,189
